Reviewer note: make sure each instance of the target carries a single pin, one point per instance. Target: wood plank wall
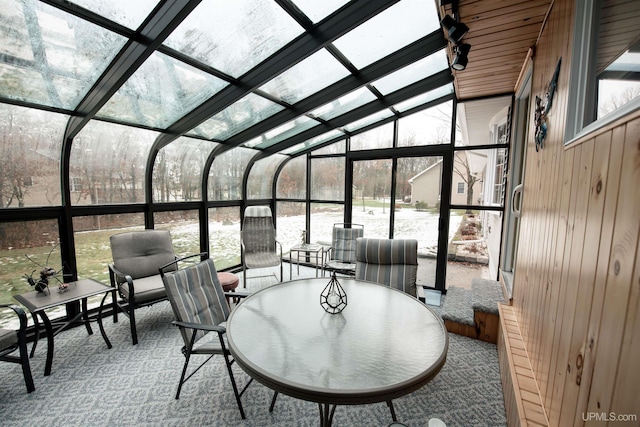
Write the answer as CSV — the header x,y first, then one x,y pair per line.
x,y
577,281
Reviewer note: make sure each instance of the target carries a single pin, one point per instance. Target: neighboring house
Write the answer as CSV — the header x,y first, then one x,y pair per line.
x,y
425,187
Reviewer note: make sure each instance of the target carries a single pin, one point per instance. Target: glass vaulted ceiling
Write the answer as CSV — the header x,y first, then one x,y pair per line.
x,y
282,76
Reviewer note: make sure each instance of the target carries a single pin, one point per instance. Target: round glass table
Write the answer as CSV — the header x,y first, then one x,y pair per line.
x,y
383,345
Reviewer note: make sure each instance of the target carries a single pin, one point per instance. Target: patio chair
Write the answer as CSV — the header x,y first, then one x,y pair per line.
x,y
259,244
199,305
137,255
392,262
12,340
341,256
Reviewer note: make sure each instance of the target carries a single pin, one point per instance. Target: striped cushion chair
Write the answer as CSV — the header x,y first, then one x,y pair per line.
x,y
200,307
391,262
341,257
260,249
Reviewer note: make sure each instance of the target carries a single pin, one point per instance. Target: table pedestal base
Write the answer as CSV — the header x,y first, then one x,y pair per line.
x,y
326,414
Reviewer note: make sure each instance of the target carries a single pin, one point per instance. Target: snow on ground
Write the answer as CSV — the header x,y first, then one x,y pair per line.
x,y
409,223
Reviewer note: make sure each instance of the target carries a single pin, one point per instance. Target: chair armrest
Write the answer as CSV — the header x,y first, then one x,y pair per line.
x,y
184,258
239,294
200,326
117,277
20,312
279,244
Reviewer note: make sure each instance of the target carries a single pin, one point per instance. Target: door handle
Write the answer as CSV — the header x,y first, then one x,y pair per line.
x,y
517,191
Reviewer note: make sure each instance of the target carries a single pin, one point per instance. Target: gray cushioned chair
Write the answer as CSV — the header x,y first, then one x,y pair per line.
x,y
137,256
341,256
392,262
12,340
199,305
260,249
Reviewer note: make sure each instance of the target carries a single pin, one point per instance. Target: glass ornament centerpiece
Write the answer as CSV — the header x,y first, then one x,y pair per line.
x,y
333,298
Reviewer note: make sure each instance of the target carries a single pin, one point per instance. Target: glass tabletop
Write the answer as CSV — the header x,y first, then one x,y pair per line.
x,y
383,345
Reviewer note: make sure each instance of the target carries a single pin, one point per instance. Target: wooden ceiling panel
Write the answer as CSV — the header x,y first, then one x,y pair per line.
x,y
500,36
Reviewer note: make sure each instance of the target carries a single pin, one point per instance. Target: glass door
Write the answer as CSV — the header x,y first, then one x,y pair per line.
x,y
401,198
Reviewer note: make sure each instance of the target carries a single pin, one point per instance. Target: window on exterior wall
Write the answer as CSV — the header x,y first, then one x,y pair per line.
x,y
605,64
460,188
500,177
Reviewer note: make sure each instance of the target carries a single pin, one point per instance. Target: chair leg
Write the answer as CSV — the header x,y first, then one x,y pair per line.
x,y
244,277
26,366
187,355
393,412
273,401
234,385
132,320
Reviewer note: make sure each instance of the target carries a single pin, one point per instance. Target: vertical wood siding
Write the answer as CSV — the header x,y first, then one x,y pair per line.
x,y
577,283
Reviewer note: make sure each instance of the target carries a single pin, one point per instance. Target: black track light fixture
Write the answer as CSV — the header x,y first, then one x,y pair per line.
x,y
461,56
456,30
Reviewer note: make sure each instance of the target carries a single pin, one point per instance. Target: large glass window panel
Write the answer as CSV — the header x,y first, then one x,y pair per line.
x,y
366,121
371,204
327,178
161,91
478,122
108,163
427,127
317,10
344,104
380,137
125,12
177,173
237,117
314,141
50,57
261,176
282,132
417,209
412,73
234,36
91,238
306,78
292,180
224,236
392,29
483,175
290,223
227,171
184,227
25,247
432,95
30,147
323,216
618,55
419,182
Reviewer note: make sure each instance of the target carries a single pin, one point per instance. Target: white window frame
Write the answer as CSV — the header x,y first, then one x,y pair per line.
x,y
460,188
581,75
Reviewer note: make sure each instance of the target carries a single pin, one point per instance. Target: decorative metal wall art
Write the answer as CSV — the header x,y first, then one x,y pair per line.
x,y
543,105
333,298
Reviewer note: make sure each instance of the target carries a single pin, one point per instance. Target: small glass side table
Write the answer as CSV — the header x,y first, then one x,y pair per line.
x,y
307,250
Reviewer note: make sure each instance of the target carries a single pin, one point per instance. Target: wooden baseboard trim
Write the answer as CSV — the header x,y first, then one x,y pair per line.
x,y
522,401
